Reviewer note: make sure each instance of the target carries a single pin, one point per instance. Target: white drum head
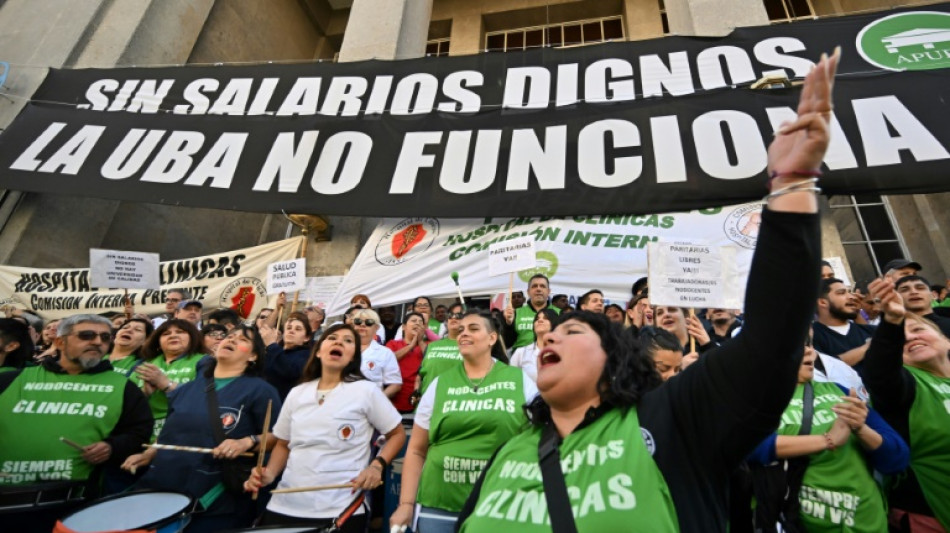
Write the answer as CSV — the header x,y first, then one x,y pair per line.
x,y
128,512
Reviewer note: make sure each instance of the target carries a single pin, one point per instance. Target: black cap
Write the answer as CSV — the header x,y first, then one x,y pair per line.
x,y
895,264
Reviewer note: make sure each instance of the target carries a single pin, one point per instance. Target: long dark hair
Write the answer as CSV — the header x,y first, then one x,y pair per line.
x,y
153,348
552,317
253,368
493,326
628,373
351,372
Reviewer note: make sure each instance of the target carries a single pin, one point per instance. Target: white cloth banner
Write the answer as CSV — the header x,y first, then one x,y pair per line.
x,y
405,258
232,279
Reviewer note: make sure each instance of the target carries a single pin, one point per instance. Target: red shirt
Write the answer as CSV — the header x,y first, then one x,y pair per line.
x,y
409,368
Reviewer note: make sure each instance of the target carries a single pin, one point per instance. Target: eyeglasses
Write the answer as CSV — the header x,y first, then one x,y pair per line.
x,y
88,335
456,316
216,335
360,322
172,300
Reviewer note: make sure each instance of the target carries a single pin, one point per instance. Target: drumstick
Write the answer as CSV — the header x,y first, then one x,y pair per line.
x,y
68,442
313,489
193,449
263,443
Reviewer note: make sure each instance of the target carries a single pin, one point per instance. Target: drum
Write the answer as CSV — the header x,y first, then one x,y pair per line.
x,y
277,529
166,512
18,498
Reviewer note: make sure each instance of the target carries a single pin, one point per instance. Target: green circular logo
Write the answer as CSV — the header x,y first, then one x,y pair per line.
x,y
546,264
919,40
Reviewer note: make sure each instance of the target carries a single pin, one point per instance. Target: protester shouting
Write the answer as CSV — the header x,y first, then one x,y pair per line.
x,y
324,434
638,456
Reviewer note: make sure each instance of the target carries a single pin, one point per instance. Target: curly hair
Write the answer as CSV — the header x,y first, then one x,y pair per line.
x,y
628,373
351,372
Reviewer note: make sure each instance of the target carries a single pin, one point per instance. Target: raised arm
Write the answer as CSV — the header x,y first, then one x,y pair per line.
x,y
736,393
892,387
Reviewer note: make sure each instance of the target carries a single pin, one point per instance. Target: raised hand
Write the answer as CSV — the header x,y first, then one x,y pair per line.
x,y
891,303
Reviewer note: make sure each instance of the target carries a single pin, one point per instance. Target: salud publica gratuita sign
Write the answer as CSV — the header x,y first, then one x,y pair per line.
x,y
647,126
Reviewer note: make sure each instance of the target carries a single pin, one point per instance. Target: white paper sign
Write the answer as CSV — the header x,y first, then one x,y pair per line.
x,y
321,289
511,256
115,269
694,274
287,276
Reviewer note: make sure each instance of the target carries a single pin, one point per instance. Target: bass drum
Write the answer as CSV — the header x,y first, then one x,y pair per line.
x,y
145,510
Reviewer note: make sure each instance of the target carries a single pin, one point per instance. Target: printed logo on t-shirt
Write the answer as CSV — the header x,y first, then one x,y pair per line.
x,y
229,418
345,432
371,365
648,440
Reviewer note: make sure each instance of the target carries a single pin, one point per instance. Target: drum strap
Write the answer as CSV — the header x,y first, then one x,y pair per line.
x,y
213,412
348,512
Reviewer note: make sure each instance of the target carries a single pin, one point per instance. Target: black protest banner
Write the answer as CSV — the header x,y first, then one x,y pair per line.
x,y
638,127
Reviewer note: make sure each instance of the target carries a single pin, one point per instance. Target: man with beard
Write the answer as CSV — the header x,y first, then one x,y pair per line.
x,y
723,322
76,396
836,333
918,298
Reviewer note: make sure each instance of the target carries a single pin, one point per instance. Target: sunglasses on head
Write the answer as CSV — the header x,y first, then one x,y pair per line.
x,y
216,334
88,335
360,322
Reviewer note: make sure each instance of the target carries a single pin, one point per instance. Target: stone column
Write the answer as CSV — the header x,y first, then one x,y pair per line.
x,y
713,17
386,29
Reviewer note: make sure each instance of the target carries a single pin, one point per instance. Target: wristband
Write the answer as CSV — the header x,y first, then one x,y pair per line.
x,y
381,461
774,175
169,386
255,440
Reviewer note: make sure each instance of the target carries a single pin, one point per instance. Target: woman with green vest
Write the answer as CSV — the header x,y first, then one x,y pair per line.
x,y
443,353
464,415
127,344
171,355
610,448
843,442
908,373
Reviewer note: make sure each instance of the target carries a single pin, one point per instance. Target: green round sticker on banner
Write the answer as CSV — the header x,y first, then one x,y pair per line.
x,y
546,264
918,40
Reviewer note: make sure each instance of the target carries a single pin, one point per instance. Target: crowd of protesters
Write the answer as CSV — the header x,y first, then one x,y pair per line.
x,y
534,417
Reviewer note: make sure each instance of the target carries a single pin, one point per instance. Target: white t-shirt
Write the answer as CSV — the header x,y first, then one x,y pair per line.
x,y
329,444
837,371
427,402
379,365
526,358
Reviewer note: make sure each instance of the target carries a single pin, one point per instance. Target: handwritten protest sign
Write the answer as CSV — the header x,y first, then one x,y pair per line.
x,y
287,276
697,275
115,269
511,256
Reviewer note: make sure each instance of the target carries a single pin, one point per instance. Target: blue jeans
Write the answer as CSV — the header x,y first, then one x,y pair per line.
x,y
433,520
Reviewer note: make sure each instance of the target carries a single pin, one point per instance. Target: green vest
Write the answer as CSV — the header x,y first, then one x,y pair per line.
x,y
124,365
524,324
838,493
180,371
613,483
41,406
466,428
929,422
440,356
434,326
